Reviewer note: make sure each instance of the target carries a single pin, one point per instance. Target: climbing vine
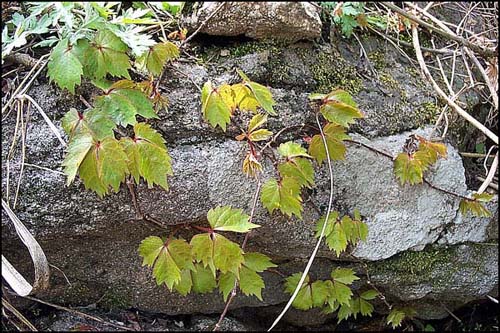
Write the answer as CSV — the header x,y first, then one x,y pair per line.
x,y
112,141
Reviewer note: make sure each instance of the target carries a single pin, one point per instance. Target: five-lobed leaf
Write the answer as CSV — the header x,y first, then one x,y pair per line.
x,y
334,135
284,196
408,169
123,102
148,156
213,107
64,67
156,56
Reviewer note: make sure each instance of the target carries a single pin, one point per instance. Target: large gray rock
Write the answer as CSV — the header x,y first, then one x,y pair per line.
x,y
290,21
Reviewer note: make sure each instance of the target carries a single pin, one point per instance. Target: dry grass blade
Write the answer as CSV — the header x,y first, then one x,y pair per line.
x,y
18,315
42,272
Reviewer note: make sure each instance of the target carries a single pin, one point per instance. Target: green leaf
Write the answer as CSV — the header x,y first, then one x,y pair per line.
x,y
156,56
64,67
369,294
165,270
180,250
149,249
104,166
148,156
260,93
342,96
340,113
203,279
340,292
408,169
251,283
77,150
93,121
319,293
260,135
184,286
475,205
202,249
300,169
344,275
284,196
337,240
395,317
365,307
105,54
256,121
228,255
244,99
303,301
344,312
226,284
213,107
229,219
334,135
257,261
122,102
291,149
332,219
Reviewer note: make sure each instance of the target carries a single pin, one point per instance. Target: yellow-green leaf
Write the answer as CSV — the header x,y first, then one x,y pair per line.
x,y
229,219
291,149
284,196
228,256
408,169
340,113
64,67
300,169
251,283
257,261
334,135
156,56
213,107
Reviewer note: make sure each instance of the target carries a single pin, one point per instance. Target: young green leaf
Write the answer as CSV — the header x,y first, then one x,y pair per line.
x,y
369,294
340,113
244,98
106,53
408,169
339,292
168,259
257,121
228,255
257,261
337,239
291,149
344,275
64,67
148,156
202,250
229,219
395,317
342,96
260,93
156,56
475,205
203,279
76,152
345,312
185,285
94,122
104,166
251,283
213,107
284,196
334,135
227,282
303,301
300,169
260,135
366,308
123,101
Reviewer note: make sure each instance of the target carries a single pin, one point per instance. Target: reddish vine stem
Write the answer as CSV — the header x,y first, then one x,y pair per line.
x,y
245,240
369,281
131,188
424,179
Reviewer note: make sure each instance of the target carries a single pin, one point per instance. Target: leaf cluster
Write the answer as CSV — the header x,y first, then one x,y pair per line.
x,y
398,314
331,295
209,260
409,167
475,205
340,231
219,104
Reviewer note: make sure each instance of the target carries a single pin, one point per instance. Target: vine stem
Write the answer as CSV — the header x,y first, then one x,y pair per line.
x,y
313,255
245,240
423,178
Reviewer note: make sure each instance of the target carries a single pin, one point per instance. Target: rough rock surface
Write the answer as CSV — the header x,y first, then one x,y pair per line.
x,y
94,241
290,21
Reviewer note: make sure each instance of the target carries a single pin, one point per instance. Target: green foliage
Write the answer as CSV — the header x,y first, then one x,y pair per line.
x,y
475,205
397,315
209,260
64,67
409,166
283,195
219,104
327,294
155,57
